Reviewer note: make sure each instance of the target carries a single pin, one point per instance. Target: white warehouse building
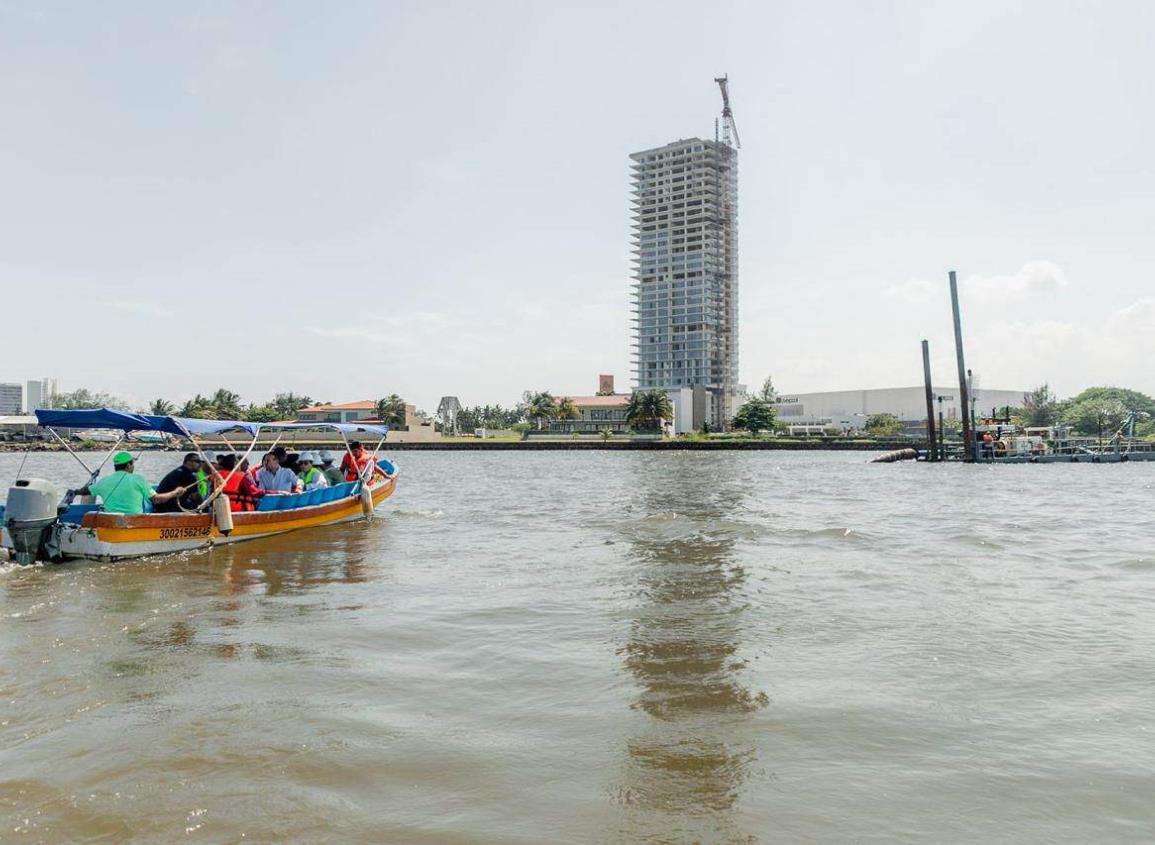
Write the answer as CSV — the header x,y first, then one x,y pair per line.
x,y
906,403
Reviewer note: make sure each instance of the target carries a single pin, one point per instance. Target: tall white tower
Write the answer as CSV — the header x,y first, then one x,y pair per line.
x,y
685,274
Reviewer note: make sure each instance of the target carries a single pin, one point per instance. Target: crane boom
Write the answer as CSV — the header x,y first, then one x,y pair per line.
x,y
729,127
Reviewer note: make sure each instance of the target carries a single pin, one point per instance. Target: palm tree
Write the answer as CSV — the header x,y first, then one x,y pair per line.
x,y
287,404
540,406
647,410
160,408
261,413
391,410
566,409
226,404
199,407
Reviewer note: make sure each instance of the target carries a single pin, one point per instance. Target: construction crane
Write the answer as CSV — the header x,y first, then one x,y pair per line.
x,y
729,127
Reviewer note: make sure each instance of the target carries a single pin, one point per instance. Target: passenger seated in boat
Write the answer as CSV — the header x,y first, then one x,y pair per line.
x,y
126,492
332,474
358,467
310,476
274,478
287,459
187,475
243,492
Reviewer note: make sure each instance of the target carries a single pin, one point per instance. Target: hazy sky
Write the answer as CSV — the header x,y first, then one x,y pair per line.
x,y
360,198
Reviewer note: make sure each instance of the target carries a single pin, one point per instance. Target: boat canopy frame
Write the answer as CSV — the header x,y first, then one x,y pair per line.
x,y
187,427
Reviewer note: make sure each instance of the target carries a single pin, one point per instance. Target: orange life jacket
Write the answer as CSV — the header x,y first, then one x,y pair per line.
x,y
238,489
355,472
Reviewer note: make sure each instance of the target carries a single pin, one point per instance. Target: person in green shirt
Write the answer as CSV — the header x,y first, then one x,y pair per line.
x,y
125,492
332,474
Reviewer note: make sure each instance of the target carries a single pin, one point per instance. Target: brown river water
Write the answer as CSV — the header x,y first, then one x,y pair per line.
x,y
553,647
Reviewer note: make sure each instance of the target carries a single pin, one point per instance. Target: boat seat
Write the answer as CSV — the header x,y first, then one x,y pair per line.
x,y
269,503
288,503
74,515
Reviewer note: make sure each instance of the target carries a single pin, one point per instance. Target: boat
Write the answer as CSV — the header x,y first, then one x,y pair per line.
x,y
38,523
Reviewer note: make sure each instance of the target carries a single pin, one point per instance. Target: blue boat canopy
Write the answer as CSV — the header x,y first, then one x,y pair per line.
x,y
180,426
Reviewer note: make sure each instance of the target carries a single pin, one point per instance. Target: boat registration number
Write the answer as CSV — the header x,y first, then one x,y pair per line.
x,y
184,533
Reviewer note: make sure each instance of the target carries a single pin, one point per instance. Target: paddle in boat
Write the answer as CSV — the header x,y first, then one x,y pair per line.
x,y
38,523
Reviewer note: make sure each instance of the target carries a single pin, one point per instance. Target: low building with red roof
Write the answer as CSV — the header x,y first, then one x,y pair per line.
x,y
606,410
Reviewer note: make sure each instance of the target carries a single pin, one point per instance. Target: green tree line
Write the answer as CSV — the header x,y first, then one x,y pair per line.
x,y
1095,411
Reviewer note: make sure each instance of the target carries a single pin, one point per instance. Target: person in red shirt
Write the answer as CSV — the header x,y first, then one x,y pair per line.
x,y
355,465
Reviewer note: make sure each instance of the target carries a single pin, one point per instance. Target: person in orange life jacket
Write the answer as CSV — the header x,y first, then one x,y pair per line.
x,y
242,491
358,467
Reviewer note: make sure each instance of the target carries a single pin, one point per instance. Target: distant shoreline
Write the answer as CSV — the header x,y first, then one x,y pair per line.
x,y
817,445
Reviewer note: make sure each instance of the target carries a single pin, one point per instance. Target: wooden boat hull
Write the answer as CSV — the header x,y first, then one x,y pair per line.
x,y
108,536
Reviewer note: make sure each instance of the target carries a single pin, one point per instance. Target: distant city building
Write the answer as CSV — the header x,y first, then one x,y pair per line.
x,y
39,394
906,403
691,405
11,400
685,279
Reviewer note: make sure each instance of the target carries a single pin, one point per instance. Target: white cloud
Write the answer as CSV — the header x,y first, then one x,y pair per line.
x,y
1071,355
1034,277
356,333
141,308
912,290
1138,317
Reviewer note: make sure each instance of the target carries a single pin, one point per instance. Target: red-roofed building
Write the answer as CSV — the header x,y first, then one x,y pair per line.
x,y
364,411
344,412
606,410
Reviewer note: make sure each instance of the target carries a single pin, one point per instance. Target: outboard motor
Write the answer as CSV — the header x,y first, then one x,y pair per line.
x,y
30,517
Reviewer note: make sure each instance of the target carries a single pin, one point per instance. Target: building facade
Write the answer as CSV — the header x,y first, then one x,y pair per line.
x,y
39,394
11,400
345,412
364,411
595,415
906,403
685,271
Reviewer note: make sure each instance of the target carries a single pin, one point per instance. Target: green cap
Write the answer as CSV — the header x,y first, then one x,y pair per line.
x,y
122,458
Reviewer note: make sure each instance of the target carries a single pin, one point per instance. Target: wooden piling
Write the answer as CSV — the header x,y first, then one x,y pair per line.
x,y
963,385
931,446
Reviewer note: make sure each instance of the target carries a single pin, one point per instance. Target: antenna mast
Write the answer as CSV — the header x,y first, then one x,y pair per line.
x,y
729,127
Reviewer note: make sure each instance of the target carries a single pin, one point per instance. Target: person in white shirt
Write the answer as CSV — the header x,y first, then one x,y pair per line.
x,y
274,478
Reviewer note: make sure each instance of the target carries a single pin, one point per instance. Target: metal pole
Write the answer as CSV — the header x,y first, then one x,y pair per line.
x,y
941,434
963,386
932,452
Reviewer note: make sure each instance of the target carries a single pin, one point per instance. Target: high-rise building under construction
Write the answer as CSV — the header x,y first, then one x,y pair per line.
x,y
685,213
